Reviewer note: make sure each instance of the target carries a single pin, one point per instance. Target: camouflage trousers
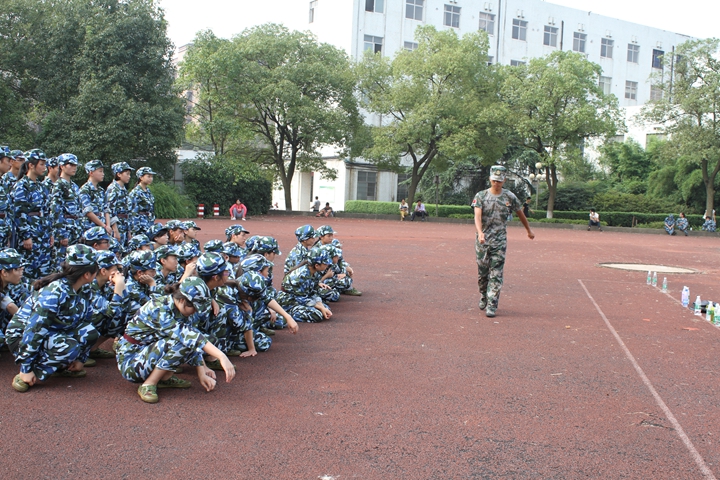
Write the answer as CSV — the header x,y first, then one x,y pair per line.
x,y
263,318
136,362
490,260
301,313
262,342
60,349
337,286
227,328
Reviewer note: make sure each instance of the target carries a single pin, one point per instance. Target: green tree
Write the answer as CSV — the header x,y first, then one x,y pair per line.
x,y
432,103
690,108
552,105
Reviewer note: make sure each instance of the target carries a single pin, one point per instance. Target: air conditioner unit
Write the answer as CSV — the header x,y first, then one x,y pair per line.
x,y
581,27
551,20
488,7
520,14
608,34
659,44
633,39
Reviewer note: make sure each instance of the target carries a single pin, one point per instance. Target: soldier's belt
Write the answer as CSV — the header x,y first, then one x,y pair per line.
x,y
71,217
34,214
122,215
130,339
147,214
2,215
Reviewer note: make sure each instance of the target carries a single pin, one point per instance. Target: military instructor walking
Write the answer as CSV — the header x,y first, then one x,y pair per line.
x,y
492,209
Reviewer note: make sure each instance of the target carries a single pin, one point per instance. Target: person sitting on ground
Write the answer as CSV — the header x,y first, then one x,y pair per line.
x,y
238,210
419,211
326,211
709,225
404,209
594,220
670,224
682,224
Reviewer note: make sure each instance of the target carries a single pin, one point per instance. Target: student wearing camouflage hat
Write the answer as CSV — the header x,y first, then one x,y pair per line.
x,y
52,333
191,232
212,268
120,204
17,158
33,220
66,206
299,296
140,284
160,338
11,273
237,234
307,237
492,208
341,272
158,234
52,175
168,264
5,211
143,200
176,232
108,302
97,238
95,207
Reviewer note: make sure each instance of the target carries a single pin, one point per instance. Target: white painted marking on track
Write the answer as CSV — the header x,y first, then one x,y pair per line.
x,y
707,473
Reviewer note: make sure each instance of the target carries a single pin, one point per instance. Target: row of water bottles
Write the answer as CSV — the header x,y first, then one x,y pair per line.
x,y
652,279
712,310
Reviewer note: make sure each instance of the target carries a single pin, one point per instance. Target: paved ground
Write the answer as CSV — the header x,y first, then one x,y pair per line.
x,y
411,381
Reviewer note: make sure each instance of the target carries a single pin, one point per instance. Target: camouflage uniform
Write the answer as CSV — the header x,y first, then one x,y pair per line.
x,y
6,223
93,200
31,214
120,204
299,294
491,254
160,338
172,277
53,329
144,204
68,210
235,322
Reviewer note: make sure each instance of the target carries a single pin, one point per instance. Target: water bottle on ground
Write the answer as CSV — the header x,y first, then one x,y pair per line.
x,y
654,279
649,277
685,297
664,288
697,306
709,312
716,310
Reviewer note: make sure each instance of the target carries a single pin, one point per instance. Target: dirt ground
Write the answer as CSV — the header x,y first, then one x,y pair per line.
x,y
586,372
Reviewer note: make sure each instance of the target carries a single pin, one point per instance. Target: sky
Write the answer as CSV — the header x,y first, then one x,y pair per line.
x,y
698,18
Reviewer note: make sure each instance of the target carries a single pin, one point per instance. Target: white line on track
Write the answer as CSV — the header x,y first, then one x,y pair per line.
x,y
707,473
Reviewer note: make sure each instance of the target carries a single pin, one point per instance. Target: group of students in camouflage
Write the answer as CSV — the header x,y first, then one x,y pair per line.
x,y
75,276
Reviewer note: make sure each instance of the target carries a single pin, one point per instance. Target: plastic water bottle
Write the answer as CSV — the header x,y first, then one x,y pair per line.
x,y
716,310
685,297
709,312
664,288
697,306
654,279
649,277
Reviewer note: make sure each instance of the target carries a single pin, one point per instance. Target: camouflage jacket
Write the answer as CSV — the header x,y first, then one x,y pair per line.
x,y
296,255
143,201
93,200
495,212
28,197
300,288
67,209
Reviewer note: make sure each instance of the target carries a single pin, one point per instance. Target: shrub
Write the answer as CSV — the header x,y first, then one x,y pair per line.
x,y
170,203
391,208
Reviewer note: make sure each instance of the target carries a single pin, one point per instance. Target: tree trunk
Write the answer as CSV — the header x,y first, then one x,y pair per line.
x,y
709,180
288,194
551,180
412,188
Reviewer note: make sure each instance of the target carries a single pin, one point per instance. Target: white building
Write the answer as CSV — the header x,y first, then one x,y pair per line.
x,y
518,30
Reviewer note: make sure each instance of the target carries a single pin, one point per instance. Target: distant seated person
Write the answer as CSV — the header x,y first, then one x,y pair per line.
x,y
682,224
670,224
419,211
326,211
709,225
594,220
238,210
404,209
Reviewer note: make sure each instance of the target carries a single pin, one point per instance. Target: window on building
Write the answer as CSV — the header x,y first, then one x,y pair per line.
x,y
606,85
402,186
653,137
374,6
617,139
410,46
366,185
579,42
374,44
631,90
606,48
311,18
633,55
452,16
519,29
487,23
490,60
414,9
550,36
657,59
656,93
516,63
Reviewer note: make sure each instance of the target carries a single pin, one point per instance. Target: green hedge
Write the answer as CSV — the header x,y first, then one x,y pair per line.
x,y
170,203
620,219
392,208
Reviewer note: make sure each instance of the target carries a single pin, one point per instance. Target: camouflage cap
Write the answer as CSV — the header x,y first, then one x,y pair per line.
x,y
253,284
190,224
306,232
17,155
34,154
120,167
187,251
95,234
93,165
255,263
336,242
51,162
213,246
165,251
10,259
497,173
196,291
156,230
141,260
332,250
5,152
232,249
319,256
107,259
80,255
144,171
67,159
266,245
250,243
115,246
325,230
234,230
175,224
211,263
138,241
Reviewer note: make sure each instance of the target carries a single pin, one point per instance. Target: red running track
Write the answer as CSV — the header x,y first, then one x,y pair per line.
x,y
412,381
